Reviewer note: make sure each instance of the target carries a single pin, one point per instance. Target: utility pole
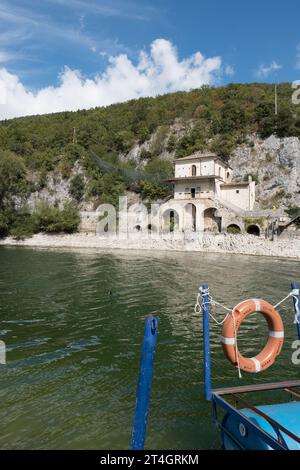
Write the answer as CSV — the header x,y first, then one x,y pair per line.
x,y
276,100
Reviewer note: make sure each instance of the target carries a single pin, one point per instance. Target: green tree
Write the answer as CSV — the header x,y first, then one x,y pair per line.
x,y
12,178
24,224
171,145
4,224
152,190
124,141
51,219
77,187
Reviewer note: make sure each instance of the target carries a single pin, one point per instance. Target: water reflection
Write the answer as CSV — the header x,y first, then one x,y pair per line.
x,y
73,347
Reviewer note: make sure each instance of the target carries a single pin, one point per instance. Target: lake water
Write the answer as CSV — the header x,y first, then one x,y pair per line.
x,y
73,350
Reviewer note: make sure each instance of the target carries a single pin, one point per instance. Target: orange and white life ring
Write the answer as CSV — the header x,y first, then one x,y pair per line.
x,y
274,344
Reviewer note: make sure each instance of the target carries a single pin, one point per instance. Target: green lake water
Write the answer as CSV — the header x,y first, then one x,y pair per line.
x,y
73,350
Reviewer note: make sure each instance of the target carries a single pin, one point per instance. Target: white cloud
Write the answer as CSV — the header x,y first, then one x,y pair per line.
x,y
20,26
157,72
265,71
111,8
229,71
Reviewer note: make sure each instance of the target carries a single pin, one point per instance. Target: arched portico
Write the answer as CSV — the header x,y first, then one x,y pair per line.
x,y
190,217
212,223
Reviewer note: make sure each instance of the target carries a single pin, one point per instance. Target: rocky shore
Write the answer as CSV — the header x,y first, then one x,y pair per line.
x,y
219,243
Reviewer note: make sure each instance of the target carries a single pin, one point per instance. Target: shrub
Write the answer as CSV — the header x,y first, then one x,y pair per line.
x,y
152,190
51,219
269,157
12,178
280,194
158,143
153,185
171,145
77,188
160,169
145,154
192,142
124,141
4,224
223,145
143,134
24,224
253,176
70,218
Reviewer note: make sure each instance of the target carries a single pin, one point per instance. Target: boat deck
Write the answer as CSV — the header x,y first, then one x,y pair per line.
x,y
265,422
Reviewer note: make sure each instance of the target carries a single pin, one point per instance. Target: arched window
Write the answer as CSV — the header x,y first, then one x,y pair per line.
x,y
194,170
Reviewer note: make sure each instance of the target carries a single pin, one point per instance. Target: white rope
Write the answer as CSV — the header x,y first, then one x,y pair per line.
x,y
211,301
214,302
283,300
236,347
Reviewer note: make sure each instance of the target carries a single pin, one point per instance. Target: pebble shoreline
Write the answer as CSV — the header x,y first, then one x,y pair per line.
x,y
219,243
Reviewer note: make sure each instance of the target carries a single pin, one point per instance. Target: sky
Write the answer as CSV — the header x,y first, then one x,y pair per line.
x,y
58,55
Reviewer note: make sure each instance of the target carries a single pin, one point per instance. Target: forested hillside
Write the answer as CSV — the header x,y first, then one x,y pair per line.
x,y
137,140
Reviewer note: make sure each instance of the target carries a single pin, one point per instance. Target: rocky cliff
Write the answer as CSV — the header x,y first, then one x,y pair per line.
x,y
275,165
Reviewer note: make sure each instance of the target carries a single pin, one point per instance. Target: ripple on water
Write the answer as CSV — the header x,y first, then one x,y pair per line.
x,y
73,324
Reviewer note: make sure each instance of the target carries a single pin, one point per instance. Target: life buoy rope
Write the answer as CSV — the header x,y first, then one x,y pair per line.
x,y
272,349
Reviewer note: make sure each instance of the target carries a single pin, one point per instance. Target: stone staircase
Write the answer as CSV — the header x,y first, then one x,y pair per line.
x,y
219,202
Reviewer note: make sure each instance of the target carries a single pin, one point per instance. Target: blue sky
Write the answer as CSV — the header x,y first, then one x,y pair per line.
x,y
259,41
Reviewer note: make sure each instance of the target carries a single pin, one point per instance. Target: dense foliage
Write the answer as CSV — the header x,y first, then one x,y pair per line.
x,y
15,218
223,116
219,119
21,223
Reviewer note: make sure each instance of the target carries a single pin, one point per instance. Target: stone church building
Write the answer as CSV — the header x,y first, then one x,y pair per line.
x,y
205,199
206,194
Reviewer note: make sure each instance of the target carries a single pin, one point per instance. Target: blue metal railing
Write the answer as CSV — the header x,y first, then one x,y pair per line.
x,y
296,301
144,384
204,290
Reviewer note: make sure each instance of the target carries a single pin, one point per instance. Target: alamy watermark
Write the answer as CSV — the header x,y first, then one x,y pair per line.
x,y
296,353
173,218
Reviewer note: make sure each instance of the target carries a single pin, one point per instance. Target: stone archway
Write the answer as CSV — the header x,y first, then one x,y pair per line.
x,y
211,222
233,229
253,229
170,220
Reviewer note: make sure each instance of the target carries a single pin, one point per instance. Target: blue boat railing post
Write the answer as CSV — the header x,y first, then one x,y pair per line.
x,y
144,384
296,301
204,290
